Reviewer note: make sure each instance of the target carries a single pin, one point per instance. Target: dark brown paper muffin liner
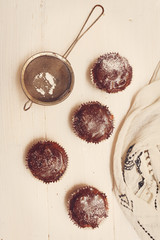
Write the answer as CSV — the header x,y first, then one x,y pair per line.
x,y
92,122
87,207
47,161
111,73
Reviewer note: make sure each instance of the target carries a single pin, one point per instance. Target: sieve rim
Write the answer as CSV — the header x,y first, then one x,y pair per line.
x,y
63,96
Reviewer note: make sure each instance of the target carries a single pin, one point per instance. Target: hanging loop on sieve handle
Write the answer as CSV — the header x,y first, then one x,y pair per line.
x,y
27,105
80,34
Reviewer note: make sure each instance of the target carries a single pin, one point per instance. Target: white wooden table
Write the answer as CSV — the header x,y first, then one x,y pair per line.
x,y
30,209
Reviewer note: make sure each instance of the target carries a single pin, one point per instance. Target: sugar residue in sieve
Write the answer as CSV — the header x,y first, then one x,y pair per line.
x,y
44,83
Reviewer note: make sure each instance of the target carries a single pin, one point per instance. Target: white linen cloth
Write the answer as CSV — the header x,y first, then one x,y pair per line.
x,y
137,161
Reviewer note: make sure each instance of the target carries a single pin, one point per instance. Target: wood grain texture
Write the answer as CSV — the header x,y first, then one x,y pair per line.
x,y
30,209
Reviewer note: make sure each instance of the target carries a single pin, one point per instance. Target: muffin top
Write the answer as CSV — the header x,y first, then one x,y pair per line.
x,y
47,161
111,73
88,207
93,122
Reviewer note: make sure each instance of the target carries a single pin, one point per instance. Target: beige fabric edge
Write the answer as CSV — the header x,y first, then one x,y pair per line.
x,y
146,106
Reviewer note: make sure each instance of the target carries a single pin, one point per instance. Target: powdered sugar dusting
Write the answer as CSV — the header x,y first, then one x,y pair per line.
x,y
111,73
111,64
47,161
88,207
44,83
96,126
92,206
93,122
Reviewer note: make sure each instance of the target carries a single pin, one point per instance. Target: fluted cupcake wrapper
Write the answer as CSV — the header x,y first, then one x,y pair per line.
x,y
87,207
47,161
92,122
111,73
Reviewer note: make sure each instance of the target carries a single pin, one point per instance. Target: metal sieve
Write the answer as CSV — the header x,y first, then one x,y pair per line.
x,y
47,78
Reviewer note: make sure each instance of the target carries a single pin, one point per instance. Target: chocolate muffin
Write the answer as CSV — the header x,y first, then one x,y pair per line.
x,y
93,122
47,161
88,207
111,73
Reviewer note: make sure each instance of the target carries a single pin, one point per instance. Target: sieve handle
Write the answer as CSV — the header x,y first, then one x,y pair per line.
x,y
80,34
27,105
